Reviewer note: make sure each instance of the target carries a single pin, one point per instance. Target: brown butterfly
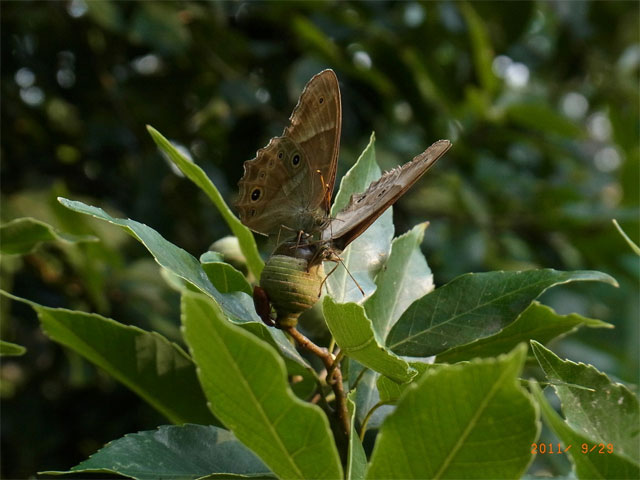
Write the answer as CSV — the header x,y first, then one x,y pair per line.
x,y
288,185
286,190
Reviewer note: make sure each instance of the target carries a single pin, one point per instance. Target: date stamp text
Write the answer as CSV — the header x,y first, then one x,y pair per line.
x,y
558,448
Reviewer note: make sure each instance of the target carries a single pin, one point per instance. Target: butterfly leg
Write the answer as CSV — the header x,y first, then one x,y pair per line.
x,y
282,227
299,240
325,278
332,257
327,190
263,305
285,227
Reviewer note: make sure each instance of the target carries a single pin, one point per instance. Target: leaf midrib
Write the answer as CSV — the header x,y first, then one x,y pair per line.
x,y
256,402
467,312
472,423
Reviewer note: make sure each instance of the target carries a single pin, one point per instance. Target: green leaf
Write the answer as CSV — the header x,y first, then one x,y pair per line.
x,y
404,278
8,349
537,322
604,411
157,370
236,305
473,306
540,117
363,256
194,173
23,235
480,47
174,452
245,382
390,391
634,247
590,465
225,278
296,364
354,333
357,458
460,421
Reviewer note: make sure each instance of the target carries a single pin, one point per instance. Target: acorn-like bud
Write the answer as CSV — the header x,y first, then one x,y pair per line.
x,y
292,278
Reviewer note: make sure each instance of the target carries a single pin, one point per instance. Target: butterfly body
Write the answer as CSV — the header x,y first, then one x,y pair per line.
x,y
286,193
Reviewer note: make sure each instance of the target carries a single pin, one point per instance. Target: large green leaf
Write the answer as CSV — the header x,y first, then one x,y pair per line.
x,y
23,235
590,465
146,362
537,322
363,257
354,334
174,452
357,458
8,349
460,421
404,278
236,305
277,339
194,173
604,411
245,382
474,306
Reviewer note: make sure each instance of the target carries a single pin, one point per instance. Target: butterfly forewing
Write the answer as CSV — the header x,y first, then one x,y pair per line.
x,y
364,208
316,123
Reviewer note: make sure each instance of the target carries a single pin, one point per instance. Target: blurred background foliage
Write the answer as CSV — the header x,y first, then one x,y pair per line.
x,y
540,100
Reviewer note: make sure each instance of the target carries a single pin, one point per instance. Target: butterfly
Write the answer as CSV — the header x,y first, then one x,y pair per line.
x,y
286,190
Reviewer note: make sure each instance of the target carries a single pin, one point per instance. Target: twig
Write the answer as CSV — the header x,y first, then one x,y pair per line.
x,y
334,375
358,378
363,428
336,364
332,345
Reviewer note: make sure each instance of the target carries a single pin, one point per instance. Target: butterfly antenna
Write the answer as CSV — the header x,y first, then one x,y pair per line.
x,y
352,278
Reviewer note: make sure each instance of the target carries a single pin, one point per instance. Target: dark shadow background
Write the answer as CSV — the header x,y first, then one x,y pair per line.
x,y
540,100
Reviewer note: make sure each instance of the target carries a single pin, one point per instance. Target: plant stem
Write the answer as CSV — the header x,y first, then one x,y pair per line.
x,y
358,378
332,344
334,375
335,365
363,428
